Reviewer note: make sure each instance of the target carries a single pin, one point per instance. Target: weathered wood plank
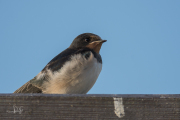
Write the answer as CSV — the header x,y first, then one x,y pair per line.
x,y
100,107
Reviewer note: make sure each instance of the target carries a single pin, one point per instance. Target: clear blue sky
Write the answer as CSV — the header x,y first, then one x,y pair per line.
x,y
141,56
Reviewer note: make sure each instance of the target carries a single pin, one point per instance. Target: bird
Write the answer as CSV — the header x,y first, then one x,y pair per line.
x,y
73,71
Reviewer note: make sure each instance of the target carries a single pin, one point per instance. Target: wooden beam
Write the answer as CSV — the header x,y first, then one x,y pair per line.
x,y
92,107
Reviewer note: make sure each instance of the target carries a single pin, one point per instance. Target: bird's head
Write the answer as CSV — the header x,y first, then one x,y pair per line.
x,y
88,40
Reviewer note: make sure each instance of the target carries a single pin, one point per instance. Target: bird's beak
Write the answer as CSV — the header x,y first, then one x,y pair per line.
x,y
98,42
102,41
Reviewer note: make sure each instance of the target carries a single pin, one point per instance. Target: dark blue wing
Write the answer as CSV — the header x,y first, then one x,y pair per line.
x,y
57,62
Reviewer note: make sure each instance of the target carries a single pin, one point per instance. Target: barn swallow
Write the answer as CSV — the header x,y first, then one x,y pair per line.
x,y
73,71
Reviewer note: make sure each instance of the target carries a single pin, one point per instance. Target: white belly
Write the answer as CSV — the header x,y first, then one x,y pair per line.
x,y
75,77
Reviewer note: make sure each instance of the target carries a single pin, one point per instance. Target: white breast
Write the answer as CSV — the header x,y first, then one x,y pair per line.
x,y
75,77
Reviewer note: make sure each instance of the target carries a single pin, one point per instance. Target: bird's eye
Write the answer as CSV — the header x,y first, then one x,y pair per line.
x,y
87,39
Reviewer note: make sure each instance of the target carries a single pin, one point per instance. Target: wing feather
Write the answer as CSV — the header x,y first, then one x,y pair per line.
x,y
28,88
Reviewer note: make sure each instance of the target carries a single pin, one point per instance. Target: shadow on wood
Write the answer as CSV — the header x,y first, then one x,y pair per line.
x,y
92,107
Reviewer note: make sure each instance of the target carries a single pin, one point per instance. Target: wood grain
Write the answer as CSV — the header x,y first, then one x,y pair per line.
x,y
90,107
